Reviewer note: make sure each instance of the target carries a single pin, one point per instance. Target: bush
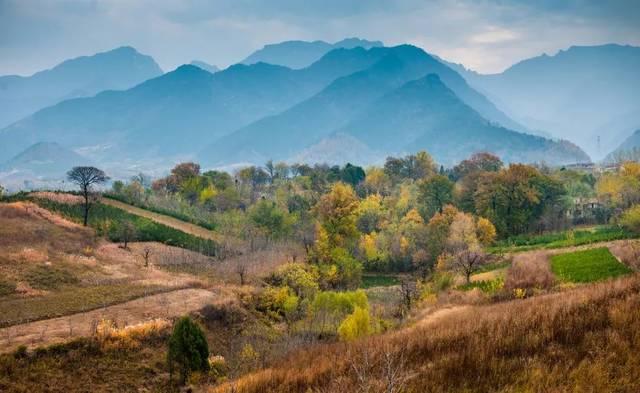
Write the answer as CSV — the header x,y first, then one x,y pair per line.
x,y
356,325
631,219
48,277
7,287
188,349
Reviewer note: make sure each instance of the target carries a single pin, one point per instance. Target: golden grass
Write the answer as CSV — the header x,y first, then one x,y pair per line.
x,y
582,340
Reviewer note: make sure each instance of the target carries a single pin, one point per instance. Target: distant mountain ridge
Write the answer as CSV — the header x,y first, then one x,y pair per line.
x,y
315,118
301,54
252,113
205,66
174,113
85,76
575,94
628,150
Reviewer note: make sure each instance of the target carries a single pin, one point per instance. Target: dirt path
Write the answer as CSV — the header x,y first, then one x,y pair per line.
x,y
429,317
56,330
164,220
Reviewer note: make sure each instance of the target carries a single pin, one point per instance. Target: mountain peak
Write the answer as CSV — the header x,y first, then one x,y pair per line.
x,y
301,54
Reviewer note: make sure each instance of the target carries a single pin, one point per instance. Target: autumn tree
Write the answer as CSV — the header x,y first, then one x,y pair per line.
x,y
478,162
336,211
631,219
464,250
86,177
514,197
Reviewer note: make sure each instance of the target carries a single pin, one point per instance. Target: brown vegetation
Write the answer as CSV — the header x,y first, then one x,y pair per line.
x,y
584,339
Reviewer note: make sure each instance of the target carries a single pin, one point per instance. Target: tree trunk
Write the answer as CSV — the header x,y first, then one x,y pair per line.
x,y
86,207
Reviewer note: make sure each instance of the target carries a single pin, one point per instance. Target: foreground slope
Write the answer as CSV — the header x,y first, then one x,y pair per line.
x,y
583,339
118,69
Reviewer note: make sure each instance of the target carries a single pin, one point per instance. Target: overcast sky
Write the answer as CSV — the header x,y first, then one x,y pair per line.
x,y
485,35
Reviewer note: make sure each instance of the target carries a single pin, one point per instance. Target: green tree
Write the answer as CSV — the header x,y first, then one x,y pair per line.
x,y
352,174
188,349
268,218
435,193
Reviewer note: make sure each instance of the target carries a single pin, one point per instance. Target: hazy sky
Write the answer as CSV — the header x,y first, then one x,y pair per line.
x,y
486,35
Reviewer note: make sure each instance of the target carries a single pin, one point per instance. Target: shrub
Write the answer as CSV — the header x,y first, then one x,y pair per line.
x,y
48,277
188,349
530,272
631,219
356,325
7,287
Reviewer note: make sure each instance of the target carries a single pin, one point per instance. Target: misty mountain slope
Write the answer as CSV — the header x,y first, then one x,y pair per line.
x,y
628,150
118,69
43,159
176,113
205,66
300,54
426,115
572,94
283,135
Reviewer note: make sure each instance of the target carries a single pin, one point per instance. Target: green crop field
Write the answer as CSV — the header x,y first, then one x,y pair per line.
x,y
587,266
107,220
561,239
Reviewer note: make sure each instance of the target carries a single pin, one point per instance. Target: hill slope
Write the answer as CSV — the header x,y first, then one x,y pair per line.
x,y
284,135
572,94
426,115
117,69
175,113
300,54
628,150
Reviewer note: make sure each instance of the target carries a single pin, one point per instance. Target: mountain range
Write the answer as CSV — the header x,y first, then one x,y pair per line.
x,y
177,113
283,135
353,101
118,69
301,54
587,94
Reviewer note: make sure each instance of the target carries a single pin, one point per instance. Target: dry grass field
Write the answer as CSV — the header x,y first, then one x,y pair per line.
x,y
581,340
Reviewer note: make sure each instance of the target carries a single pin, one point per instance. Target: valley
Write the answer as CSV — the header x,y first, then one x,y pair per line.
x,y
319,197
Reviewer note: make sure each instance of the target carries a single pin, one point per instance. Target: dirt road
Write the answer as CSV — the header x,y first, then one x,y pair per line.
x,y
56,330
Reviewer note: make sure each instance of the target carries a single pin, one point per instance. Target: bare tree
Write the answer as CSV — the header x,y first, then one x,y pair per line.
x,y
85,177
409,291
146,253
127,233
467,262
241,269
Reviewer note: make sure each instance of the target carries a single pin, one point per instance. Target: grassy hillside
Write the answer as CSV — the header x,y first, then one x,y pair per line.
x,y
582,340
